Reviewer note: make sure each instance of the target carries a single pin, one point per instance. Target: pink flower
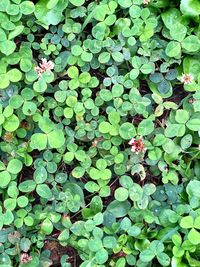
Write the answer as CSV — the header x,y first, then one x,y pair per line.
x,y
44,66
187,78
25,258
137,146
146,2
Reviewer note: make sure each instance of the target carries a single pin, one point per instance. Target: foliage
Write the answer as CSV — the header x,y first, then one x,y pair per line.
x,y
100,127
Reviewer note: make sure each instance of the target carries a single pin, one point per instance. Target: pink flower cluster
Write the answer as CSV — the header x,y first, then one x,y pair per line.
x,y
44,66
137,146
146,2
25,258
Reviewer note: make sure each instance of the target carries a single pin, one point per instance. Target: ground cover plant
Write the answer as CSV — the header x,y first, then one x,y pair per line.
x,y
100,133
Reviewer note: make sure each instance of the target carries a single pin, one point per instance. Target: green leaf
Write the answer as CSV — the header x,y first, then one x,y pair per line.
x,y
114,117
95,244
29,108
64,236
147,68
101,256
56,139
22,201
77,2
175,130
52,3
44,191
10,204
147,255
14,166
178,33
127,131
46,125
194,236
38,141
135,192
197,222
73,72
173,49
121,194
182,116
27,7
11,124
187,222
109,242
47,226
40,86
3,36
125,3
18,29
25,244
27,186
104,127
5,178
7,47
171,17
84,77
145,127
191,43
164,87
78,172
193,124
163,259
40,175
118,56
186,141
190,8
134,231
4,81
51,16
134,73
104,57
119,209
156,77
117,90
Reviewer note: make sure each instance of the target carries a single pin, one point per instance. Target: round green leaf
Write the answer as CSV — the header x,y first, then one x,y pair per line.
x,y
14,166
44,191
145,127
38,141
127,131
5,178
121,194
11,124
56,139
27,7
173,49
77,2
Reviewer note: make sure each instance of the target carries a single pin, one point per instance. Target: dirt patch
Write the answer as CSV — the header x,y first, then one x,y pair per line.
x,y
57,251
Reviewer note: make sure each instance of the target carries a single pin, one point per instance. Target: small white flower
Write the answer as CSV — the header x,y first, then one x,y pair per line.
x,y
187,78
133,149
131,142
146,2
25,258
44,66
137,146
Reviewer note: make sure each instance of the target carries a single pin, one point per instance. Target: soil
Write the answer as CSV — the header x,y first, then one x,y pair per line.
x,y
57,251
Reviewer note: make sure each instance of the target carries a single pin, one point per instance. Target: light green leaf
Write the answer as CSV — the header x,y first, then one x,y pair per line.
x,y
44,191
38,141
11,124
14,166
145,127
173,49
56,139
